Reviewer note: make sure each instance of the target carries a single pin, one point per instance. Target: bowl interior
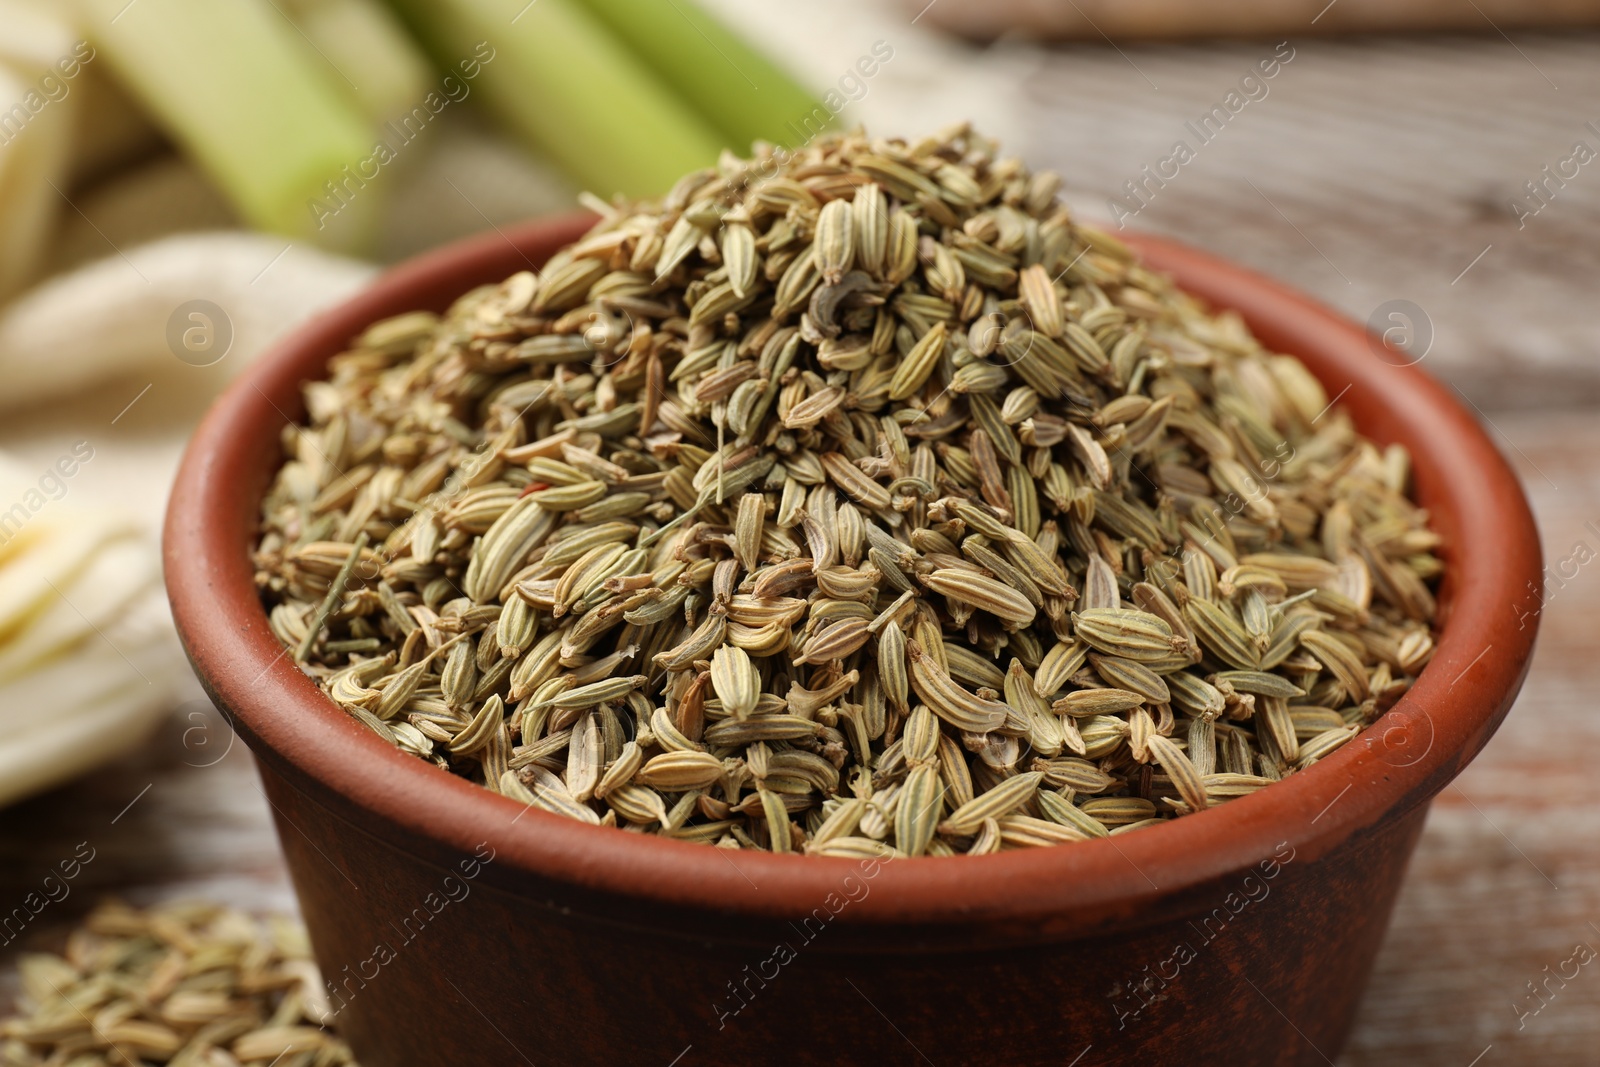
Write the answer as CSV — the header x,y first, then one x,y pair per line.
x,y
1396,764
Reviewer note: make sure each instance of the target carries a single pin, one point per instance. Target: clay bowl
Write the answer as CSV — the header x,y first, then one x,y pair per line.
x,y
455,927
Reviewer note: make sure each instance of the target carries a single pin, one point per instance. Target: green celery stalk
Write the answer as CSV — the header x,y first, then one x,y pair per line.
x,y
553,73
747,96
238,88
30,163
36,137
375,62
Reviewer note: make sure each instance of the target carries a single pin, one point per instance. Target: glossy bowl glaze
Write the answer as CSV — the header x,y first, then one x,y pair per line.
x,y
455,927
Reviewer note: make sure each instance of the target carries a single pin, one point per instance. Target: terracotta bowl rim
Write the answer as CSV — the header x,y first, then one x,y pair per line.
x,y
1445,718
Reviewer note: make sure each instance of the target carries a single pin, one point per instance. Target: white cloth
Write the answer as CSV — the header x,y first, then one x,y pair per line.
x,y
95,407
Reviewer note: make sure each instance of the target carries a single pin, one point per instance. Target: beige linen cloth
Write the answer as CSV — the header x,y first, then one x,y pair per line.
x,y
97,409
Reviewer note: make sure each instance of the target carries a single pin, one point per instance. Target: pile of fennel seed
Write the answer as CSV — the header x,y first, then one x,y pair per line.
x,y
850,501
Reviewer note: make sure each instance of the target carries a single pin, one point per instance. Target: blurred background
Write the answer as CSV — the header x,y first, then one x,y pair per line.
x,y
181,181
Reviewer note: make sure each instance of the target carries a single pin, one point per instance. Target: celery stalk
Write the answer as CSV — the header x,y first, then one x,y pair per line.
x,y
238,87
552,72
38,120
33,166
373,58
741,91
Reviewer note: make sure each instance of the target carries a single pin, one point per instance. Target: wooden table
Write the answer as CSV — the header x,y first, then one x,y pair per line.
x,y
1372,171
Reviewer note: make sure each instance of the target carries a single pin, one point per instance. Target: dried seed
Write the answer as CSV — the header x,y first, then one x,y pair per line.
x,y
857,486
1060,810
917,813
736,680
1338,659
678,771
747,529
1185,778
1039,297
835,642
1002,799
918,364
1324,744
587,696
1126,674
1090,702
963,710
1131,634
985,594
871,215
622,769
740,257
835,240
1118,811
1222,634
777,817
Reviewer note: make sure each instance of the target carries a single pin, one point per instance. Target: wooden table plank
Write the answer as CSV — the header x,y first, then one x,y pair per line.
x,y
1090,20
1372,170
